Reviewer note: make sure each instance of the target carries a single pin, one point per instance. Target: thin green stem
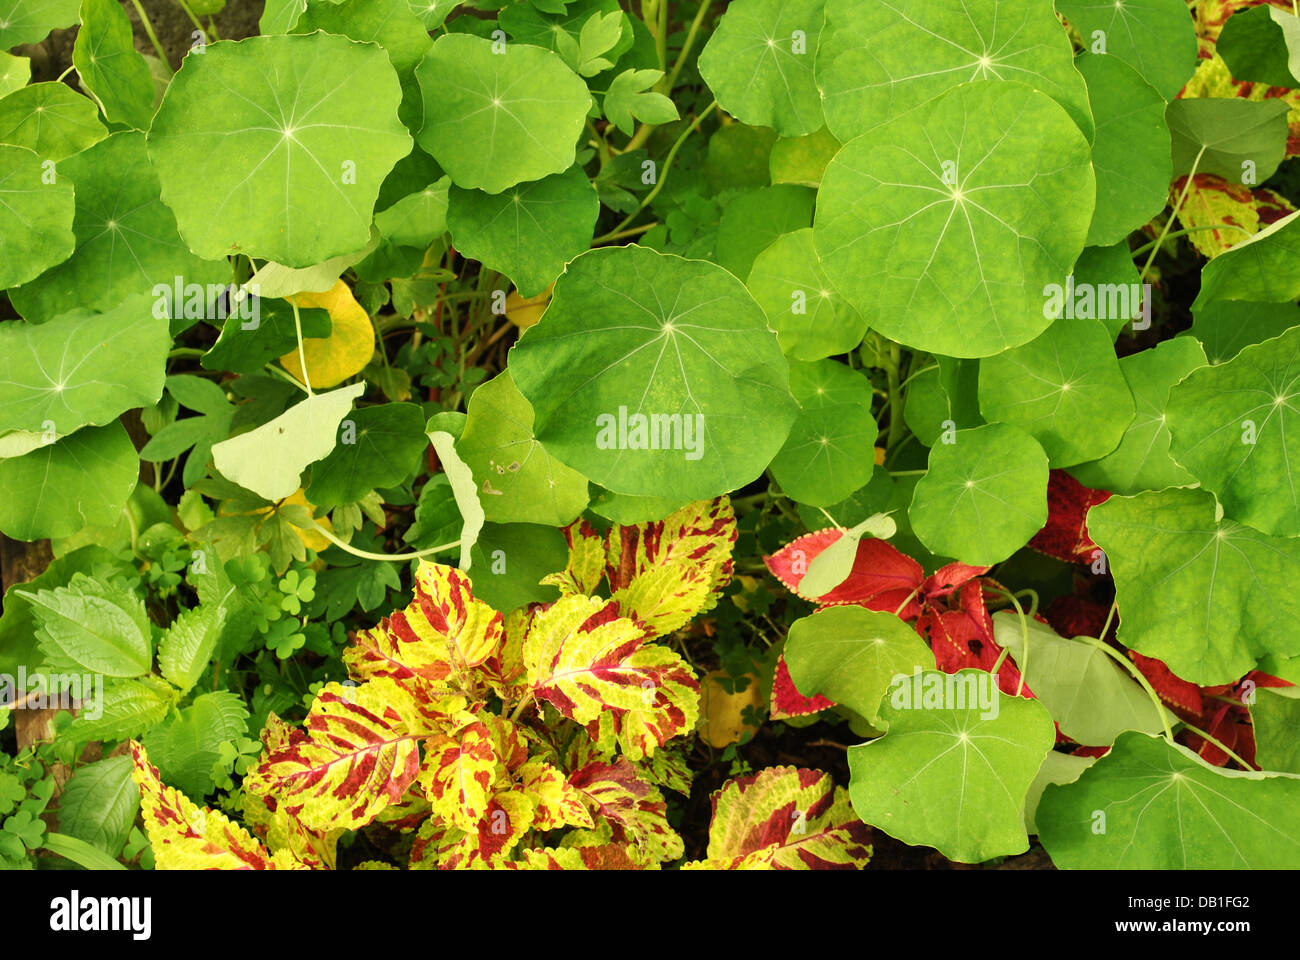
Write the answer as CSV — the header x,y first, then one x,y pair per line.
x,y
687,44
629,232
190,13
1180,233
1191,175
906,601
302,356
1218,743
59,78
908,473
153,37
393,557
1114,607
286,375
519,708
896,425
1137,675
185,352
916,373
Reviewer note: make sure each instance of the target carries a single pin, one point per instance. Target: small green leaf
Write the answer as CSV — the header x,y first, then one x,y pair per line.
x,y
99,803
756,219
109,66
247,344
1262,269
379,447
127,709
187,647
510,560
1227,326
418,218
629,99
15,72
392,24
186,747
80,852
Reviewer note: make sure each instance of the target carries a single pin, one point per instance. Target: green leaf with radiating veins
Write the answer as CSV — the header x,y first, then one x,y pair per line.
x,y
759,64
655,376
954,766
984,495
1154,805
1275,716
1091,697
81,480
755,219
1262,45
1242,141
802,160
35,217
831,448
390,23
811,319
1106,288
110,67
269,459
1203,595
281,164
496,119
15,72
945,224
1225,327
126,238
379,447
50,118
1130,152
851,655
529,231
280,16
30,21
1155,37
432,12
1233,427
1058,768
1264,268
418,218
880,59
1065,388
1142,460
517,480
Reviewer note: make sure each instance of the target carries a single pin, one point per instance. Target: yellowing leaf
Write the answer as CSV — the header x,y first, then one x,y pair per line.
x,y
523,312
1212,200
348,348
273,823
185,836
586,561
722,713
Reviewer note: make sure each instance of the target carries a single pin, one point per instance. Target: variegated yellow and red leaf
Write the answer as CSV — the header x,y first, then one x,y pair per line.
x,y
667,597
359,755
546,858
586,561
557,803
460,773
1211,201
667,704
273,824
443,846
185,836
784,818
701,533
635,810
504,670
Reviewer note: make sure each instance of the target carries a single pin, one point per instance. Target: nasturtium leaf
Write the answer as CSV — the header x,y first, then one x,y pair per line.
x,y
109,66
759,64
81,480
283,165
984,495
496,119
1105,287
1226,326
379,447
1165,809
50,118
1057,768
802,160
878,60
126,238
418,218
945,224
1231,427
15,72
349,346
187,745
737,158
1275,715
461,479
753,220
510,560
942,400
1142,460
954,765
432,12
1130,152
516,478
279,16
99,803
1262,45
529,231
1091,697
624,508
119,363
269,459
92,625
831,448
30,21
1065,388
1203,595
247,345
812,321
1228,136
852,655
1262,269
35,217
390,23
1154,37
655,376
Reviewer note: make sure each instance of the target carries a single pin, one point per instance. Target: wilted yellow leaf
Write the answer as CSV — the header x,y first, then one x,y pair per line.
x,y
348,348
523,312
721,713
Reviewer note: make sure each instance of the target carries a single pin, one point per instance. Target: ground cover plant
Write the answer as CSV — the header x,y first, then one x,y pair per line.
x,y
573,434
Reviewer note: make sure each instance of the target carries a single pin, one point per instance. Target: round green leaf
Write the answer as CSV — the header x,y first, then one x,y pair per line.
x,y
494,119
378,447
81,480
1226,135
1142,460
812,321
30,21
418,218
126,239
627,510
880,59
1203,595
35,217
1065,388
802,160
945,224
655,376
110,67
517,479
954,766
510,560
1233,427
529,231
50,118
1130,152
754,220
1275,716
1166,809
759,64
1226,326
1155,37
15,72
393,24
984,495
831,450
852,655
1262,44
280,164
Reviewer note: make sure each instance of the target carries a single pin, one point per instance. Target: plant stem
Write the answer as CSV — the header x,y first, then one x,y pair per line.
x,y
896,425
60,77
393,557
519,709
1205,736
629,232
1137,675
1191,175
190,13
302,356
286,375
186,352
1179,233
666,84
153,37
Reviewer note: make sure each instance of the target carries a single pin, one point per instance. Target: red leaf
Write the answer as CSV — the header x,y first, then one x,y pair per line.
x,y
964,638
1065,535
881,578
1172,689
787,701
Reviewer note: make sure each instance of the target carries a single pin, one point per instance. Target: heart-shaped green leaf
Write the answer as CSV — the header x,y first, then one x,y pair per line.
x,y
1228,136
1262,44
